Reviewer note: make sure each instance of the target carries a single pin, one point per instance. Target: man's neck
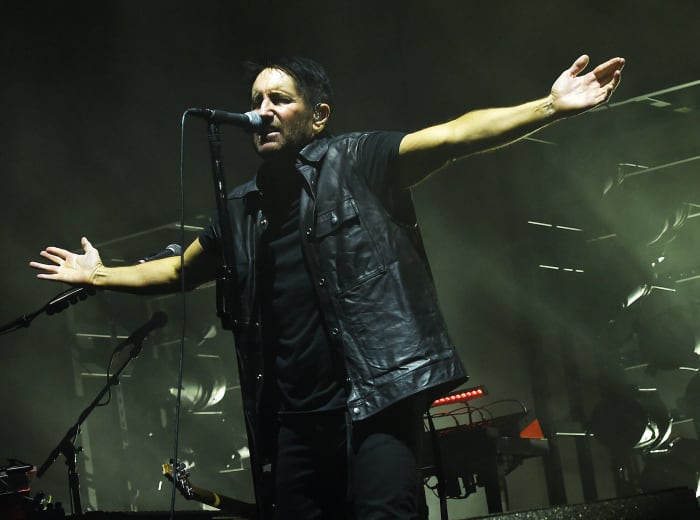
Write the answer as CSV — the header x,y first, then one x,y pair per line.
x,y
277,176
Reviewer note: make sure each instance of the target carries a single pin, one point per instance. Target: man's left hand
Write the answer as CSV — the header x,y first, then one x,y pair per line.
x,y
574,93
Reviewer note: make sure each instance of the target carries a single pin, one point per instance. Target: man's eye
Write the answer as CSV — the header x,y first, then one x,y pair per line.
x,y
275,99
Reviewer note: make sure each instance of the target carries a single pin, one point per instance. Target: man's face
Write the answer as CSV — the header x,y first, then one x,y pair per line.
x,y
287,121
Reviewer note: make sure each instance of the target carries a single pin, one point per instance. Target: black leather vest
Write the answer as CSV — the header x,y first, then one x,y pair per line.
x,y
377,298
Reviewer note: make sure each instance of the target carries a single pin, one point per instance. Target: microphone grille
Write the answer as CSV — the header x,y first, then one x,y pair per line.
x,y
255,120
175,249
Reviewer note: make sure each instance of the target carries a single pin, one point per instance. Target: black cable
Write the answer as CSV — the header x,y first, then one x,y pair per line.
x,y
176,434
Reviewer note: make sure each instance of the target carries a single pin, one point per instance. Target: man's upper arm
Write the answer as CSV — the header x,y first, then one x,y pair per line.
x,y
421,153
426,151
200,265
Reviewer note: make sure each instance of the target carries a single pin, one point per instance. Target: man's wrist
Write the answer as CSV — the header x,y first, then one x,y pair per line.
x,y
99,275
548,108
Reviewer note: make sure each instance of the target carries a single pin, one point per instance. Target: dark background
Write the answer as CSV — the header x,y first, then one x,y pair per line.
x,y
92,97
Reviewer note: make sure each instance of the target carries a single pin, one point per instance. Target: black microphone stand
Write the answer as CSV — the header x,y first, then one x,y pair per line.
x,y
66,446
57,304
224,288
225,278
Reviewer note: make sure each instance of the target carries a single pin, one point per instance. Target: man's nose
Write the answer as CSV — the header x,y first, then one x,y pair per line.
x,y
265,108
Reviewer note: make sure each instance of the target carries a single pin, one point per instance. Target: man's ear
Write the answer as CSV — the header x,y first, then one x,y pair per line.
x,y
322,111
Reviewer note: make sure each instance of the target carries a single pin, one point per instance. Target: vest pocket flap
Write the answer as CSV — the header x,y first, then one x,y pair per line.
x,y
329,221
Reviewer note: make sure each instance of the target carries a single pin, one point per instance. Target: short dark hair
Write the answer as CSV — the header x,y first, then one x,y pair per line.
x,y
310,77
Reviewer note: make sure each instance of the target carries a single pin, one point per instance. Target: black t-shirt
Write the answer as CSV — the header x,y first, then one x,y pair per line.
x,y
310,373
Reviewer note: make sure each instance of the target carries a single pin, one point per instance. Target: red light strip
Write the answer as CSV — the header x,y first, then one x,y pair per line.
x,y
459,397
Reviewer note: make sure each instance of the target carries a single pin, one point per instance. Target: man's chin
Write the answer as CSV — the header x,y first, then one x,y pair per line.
x,y
274,151
268,149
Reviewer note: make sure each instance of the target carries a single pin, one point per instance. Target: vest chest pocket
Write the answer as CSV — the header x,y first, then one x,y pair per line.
x,y
347,250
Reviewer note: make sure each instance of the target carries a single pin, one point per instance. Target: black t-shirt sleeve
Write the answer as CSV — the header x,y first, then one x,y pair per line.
x,y
378,162
209,238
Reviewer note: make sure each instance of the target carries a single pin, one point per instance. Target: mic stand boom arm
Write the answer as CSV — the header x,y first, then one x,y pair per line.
x,y
57,304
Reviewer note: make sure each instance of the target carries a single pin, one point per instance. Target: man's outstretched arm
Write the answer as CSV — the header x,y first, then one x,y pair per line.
x,y
158,276
427,150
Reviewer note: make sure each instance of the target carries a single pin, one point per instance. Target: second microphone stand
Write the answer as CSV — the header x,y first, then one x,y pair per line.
x,y
66,446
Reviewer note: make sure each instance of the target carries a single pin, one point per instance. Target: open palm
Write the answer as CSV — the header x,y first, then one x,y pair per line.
x,y
572,92
67,266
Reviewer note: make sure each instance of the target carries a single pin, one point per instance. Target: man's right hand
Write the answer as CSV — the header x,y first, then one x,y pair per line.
x,y
69,267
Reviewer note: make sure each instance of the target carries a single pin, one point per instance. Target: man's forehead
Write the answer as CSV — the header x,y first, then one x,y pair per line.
x,y
274,79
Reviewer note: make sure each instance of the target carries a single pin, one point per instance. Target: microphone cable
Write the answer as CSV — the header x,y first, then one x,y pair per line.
x,y
183,300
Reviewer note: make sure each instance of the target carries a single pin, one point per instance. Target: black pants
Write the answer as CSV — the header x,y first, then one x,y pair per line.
x,y
319,476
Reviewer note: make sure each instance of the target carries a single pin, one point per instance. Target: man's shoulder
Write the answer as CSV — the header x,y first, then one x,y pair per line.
x,y
317,149
337,140
242,190
351,140
357,136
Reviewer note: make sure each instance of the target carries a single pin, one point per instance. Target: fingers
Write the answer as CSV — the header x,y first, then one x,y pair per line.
x,y
607,89
55,259
605,72
57,255
85,243
64,265
50,270
578,65
613,64
617,76
609,71
45,267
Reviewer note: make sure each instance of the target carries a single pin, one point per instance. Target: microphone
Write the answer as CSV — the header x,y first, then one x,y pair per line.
x,y
171,250
157,321
249,121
